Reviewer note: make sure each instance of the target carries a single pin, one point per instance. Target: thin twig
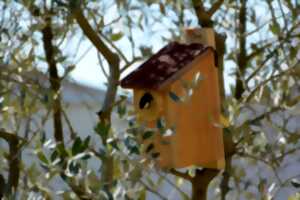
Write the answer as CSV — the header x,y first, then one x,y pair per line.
x,y
101,65
130,63
271,78
152,190
183,175
111,57
114,47
84,54
72,131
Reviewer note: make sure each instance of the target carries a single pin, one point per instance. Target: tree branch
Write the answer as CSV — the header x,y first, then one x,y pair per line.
x,y
55,86
121,54
204,19
201,181
71,129
266,81
111,57
134,60
241,57
215,7
113,82
102,66
204,16
152,190
185,175
13,161
54,79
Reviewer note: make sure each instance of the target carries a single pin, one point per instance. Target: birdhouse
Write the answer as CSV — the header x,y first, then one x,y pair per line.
x,y
179,84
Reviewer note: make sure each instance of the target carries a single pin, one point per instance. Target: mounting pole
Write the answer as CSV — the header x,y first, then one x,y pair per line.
x,y
204,36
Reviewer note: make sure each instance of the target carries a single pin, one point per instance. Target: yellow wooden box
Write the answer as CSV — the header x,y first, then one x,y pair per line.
x,y
198,138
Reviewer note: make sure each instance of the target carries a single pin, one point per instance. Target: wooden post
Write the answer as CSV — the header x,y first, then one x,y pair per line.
x,y
203,177
204,36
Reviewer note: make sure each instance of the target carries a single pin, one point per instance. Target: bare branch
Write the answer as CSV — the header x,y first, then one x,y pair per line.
x,y
204,19
121,54
71,129
152,190
101,65
129,64
113,82
183,175
111,57
13,159
215,7
258,51
242,62
83,54
268,57
9,136
263,83
54,79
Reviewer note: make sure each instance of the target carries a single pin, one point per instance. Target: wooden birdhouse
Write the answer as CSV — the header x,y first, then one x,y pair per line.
x,y
180,85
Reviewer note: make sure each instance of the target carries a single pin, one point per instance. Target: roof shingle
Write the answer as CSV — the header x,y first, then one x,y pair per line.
x,y
163,65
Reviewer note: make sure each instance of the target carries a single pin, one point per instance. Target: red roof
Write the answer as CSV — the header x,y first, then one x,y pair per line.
x,y
163,65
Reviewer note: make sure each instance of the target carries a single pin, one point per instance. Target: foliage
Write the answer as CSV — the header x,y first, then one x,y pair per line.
x,y
261,107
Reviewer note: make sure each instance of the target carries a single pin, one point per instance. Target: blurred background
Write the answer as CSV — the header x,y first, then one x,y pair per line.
x,y
67,130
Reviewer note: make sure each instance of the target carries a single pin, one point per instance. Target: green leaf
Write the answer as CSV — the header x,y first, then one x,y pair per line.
x,y
146,51
197,78
61,150
295,183
134,150
275,28
165,142
147,135
161,124
142,195
42,157
74,168
116,36
149,147
131,145
294,197
77,146
54,155
113,142
86,142
155,155
102,130
174,97
121,110
82,156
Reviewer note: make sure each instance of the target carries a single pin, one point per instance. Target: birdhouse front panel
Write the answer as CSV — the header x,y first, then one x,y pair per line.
x,y
179,84
198,139
150,105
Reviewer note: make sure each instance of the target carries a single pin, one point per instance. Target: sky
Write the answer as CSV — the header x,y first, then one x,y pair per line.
x,y
87,68
88,71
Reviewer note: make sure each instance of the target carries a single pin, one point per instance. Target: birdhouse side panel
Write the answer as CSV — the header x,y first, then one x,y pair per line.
x,y
198,139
